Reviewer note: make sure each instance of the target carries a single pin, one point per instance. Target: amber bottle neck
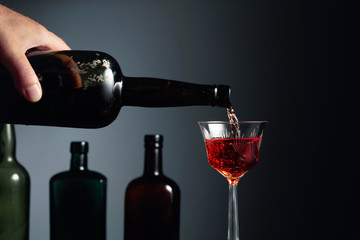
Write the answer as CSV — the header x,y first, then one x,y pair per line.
x,y
153,161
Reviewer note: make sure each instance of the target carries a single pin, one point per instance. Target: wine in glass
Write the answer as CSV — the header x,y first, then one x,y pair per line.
x,y
232,149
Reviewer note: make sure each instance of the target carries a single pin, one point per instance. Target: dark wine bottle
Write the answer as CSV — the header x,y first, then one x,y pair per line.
x,y
14,189
78,200
152,201
86,89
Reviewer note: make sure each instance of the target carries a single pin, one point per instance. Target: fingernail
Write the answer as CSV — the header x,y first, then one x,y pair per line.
x,y
33,93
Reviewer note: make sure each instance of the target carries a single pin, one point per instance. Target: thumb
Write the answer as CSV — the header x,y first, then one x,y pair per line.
x,y
24,77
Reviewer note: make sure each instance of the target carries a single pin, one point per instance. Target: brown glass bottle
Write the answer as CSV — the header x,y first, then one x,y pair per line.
x,y
86,89
78,200
152,201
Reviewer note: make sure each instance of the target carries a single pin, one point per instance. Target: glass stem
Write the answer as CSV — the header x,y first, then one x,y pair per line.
x,y
233,219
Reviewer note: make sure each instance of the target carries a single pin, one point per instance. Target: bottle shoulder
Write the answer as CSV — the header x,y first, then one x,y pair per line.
x,y
83,174
13,167
154,181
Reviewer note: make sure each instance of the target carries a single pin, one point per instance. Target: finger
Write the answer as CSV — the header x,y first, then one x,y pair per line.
x,y
50,42
24,77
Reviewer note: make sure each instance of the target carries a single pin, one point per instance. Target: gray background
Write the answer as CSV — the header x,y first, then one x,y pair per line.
x,y
288,62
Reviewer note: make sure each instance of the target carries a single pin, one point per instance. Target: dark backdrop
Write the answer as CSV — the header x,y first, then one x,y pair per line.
x,y
288,62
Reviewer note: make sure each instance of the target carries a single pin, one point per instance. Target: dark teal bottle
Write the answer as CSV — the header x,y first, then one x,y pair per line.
x,y
14,189
78,200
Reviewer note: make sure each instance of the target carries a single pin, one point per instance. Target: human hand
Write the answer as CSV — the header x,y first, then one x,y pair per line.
x,y
20,36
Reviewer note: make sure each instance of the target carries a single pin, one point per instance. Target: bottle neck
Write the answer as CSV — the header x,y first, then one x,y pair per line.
x,y
7,143
78,162
156,92
153,161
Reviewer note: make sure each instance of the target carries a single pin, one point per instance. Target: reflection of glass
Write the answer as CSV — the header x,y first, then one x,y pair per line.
x,y
232,149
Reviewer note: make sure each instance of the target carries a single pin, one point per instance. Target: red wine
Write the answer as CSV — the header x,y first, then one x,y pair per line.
x,y
235,127
233,157
231,115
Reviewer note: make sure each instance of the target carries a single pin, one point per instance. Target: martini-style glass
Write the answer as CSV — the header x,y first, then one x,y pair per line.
x,y
232,149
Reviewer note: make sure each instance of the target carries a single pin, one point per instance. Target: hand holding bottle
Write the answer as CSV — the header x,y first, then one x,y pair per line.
x,y
20,36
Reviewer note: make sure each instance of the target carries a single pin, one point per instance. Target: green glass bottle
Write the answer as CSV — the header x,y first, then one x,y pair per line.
x,y
78,200
14,189
152,201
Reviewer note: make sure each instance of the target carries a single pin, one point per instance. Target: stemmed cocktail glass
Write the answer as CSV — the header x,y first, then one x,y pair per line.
x,y
232,149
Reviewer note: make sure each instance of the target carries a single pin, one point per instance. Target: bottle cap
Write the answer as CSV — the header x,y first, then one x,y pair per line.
x,y
155,140
79,147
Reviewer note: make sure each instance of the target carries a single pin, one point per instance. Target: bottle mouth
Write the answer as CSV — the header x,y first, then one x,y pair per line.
x,y
155,140
222,95
79,147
